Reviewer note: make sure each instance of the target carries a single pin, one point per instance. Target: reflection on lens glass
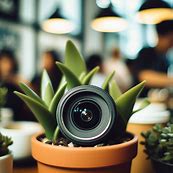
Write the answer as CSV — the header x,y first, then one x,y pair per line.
x,y
86,115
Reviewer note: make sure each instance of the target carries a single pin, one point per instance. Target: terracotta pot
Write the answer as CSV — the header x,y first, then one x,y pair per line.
x,y
6,164
107,159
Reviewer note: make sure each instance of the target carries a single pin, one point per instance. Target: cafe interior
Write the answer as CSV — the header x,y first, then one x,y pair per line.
x,y
49,48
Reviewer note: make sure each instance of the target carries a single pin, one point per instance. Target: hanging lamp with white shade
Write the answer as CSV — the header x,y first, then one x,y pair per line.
x,y
57,24
154,11
108,21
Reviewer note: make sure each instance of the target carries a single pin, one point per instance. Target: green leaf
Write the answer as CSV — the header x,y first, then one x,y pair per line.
x,y
88,77
62,82
107,80
29,92
126,101
46,87
73,60
82,75
3,94
71,78
144,104
56,98
56,134
114,90
48,96
41,113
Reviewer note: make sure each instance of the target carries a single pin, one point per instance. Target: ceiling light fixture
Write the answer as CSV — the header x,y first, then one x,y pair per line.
x,y
57,24
154,11
108,21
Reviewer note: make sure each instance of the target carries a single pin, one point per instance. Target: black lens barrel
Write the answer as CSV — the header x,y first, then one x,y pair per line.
x,y
86,115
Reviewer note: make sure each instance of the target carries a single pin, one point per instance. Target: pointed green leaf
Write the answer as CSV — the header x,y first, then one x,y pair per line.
x,y
73,60
48,94
107,80
45,89
3,94
88,77
56,135
29,92
144,104
82,75
126,101
41,113
62,82
114,90
56,98
71,78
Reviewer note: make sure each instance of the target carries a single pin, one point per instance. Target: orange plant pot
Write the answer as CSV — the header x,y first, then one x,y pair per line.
x,y
106,159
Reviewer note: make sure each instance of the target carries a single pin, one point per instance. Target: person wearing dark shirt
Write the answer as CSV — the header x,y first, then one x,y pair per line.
x,y
48,62
152,63
10,79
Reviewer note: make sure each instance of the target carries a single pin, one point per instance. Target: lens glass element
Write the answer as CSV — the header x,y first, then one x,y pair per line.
x,y
86,114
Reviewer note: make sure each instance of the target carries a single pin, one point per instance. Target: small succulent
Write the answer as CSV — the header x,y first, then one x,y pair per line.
x,y
159,142
5,142
75,74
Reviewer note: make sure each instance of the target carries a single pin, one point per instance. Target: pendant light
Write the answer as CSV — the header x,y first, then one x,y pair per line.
x,y
154,11
57,24
108,21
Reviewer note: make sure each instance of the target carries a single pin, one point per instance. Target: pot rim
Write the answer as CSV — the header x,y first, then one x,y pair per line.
x,y
5,156
84,157
22,129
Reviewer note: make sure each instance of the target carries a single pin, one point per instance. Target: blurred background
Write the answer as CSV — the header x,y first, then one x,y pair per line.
x,y
21,31
108,33
132,37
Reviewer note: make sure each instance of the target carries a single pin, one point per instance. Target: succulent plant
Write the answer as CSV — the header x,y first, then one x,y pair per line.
x,y
5,141
159,142
75,74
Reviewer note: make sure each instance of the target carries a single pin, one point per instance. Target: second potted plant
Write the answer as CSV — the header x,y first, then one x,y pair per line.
x,y
6,159
85,127
159,147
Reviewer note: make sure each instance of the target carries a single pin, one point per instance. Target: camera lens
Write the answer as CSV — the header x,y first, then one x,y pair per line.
x,y
86,115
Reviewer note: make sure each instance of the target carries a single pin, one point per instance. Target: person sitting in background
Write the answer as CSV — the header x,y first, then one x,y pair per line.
x,y
93,61
151,63
10,79
122,76
48,62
